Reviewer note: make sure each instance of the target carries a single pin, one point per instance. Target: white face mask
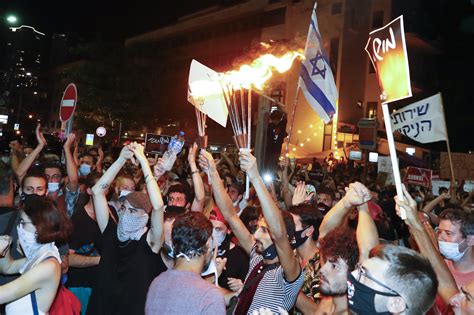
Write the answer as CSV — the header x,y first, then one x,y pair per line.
x,y
451,250
124,193
131,227
218,237
53,187
211,269
28,242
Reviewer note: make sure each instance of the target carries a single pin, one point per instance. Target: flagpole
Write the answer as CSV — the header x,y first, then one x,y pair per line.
x,y
449,149
293,118
393,153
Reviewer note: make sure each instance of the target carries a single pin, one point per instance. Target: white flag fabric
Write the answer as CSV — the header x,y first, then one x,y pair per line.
x,y
316,79
422,121
205,92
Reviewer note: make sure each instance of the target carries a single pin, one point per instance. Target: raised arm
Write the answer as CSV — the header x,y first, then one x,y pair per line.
x,y
25,165
447,286
101,187
224,203
199,194
71,166
230,163
367,235
272,214
100,160
336,216
155,236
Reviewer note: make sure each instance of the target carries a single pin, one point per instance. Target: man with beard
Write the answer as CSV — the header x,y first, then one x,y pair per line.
x,y
325,199
275,276
136,242
181,290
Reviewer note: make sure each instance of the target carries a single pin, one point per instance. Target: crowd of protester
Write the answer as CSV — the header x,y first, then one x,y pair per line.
x,y
104,234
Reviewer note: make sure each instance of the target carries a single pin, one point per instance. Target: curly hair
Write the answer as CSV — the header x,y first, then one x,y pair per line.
x,y
459,216
191,231
340,243
182,189
52,225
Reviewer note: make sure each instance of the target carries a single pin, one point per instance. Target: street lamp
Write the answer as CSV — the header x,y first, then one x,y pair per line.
x,y
11,19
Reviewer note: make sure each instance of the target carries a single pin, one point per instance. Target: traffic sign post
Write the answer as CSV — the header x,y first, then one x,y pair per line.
x,y
68,106
66,111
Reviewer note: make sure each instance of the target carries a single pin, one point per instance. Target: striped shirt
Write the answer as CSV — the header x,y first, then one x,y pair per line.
x,y
273,291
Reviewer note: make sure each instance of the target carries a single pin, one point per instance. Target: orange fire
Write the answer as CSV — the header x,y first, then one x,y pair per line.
x,y
252,75
260,70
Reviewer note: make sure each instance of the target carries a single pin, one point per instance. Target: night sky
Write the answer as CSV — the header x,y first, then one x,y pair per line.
x,y
117,20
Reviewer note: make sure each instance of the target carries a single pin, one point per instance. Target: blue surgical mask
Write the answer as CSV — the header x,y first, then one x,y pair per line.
x,y
84,169
53,187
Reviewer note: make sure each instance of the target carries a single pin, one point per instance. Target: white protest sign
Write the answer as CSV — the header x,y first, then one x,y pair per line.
x,y
205,92
422,121
385,165
468,185
437,184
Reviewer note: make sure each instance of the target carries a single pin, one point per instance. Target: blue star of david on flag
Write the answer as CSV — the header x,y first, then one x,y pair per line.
x,y
316,79
317,70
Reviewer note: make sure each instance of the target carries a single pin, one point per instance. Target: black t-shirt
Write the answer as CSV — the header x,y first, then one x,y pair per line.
x,y
85,236
104,294
237,264
137,267
126,270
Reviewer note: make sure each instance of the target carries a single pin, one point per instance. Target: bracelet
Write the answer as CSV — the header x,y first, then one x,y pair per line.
x,y
195,172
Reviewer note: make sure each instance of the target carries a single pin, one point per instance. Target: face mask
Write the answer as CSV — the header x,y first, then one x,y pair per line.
x,y
84,169
124,193
361,298
418,199
299,240
323,208
209,269
168,250
451,250
53,187
131,227
270,252
28,242
218,237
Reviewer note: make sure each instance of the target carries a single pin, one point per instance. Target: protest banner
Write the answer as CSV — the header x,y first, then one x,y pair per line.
x,y
422,121
463,166
418,176
437,184
156,144
384,165
388,53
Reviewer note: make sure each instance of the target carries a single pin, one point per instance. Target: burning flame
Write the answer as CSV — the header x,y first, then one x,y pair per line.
x,y
252,75
260,70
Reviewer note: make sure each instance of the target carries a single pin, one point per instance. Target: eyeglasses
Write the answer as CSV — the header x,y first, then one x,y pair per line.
x,y
363,272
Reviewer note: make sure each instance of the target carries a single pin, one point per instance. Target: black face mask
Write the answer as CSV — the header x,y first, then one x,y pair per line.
x,y
299,240
25,199
270,252
361,298
323,208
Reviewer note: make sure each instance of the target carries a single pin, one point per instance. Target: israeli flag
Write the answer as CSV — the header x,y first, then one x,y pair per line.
x,y
316,79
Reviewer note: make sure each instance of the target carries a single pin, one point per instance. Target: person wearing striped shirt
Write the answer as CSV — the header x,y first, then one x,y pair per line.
x,y
275,276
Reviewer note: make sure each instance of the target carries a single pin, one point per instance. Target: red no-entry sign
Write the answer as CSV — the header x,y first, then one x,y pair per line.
x,y
68,102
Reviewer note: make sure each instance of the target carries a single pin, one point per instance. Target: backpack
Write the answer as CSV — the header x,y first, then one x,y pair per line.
x,y
65,303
